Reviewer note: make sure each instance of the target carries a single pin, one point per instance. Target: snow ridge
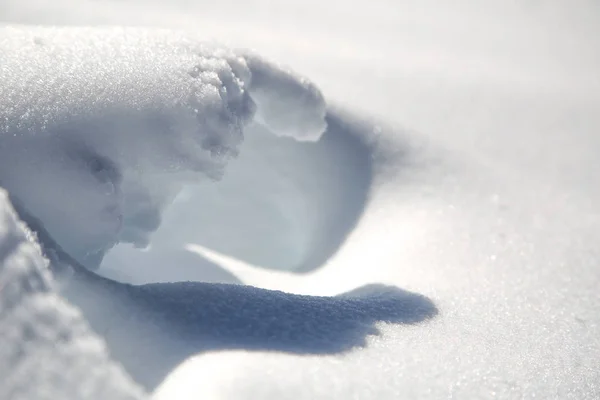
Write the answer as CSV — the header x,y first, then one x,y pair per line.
x,y
48,350
130,115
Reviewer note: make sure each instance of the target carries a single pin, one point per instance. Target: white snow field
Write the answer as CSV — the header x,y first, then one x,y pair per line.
x,y
419,217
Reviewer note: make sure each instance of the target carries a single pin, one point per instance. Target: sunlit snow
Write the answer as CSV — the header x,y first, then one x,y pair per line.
x,y
302,200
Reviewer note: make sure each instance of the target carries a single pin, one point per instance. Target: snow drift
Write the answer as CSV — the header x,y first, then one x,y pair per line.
x,y
48,351
120,119
502,230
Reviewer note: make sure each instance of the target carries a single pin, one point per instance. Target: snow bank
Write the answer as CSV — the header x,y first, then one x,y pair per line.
x,y
48,351
120,119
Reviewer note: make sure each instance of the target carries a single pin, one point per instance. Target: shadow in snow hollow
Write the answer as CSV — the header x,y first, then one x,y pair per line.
x,y
152,328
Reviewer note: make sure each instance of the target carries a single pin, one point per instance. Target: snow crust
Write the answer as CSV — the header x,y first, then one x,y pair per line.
x,y
48,351
132,114
296,111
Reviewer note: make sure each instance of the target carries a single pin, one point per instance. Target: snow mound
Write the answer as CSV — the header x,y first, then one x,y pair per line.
x,y
48,351
121,119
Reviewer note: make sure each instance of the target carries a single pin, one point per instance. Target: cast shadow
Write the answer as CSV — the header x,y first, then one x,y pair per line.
x,y
153,328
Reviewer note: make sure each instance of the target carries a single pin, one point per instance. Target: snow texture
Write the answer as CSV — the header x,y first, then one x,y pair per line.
x,y
296,111
133,115
153,328
48,350
283,205
493,212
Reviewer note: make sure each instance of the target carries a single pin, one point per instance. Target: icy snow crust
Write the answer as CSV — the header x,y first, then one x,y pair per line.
x,y
48,351
133,114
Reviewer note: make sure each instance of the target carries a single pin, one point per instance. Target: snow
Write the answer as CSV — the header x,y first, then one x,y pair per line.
x,y
457,175
48,350
143,112
288,105
153,328
283,205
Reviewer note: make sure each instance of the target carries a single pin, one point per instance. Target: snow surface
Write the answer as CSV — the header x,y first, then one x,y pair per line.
x,y
485,210
139,112
48,351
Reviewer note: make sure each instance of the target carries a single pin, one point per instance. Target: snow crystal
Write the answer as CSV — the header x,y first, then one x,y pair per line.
x,y
48,351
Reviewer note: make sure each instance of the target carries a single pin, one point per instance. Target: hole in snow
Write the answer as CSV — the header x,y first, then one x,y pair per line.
x,y
283,204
